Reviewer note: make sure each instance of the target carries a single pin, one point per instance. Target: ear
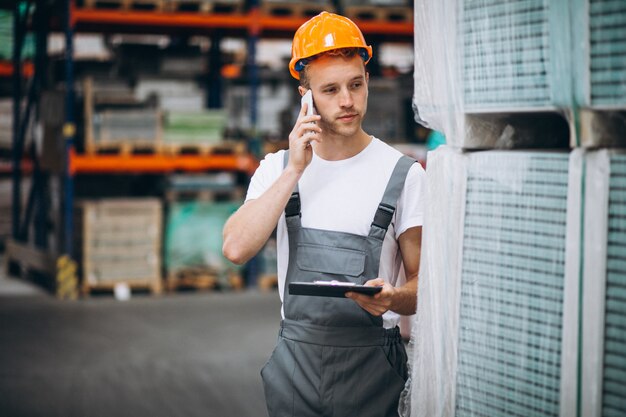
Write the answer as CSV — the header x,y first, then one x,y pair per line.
x,y
302,90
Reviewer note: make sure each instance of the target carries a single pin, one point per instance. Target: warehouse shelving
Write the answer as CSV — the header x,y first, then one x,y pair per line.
x,y
162,164
251,25
231,24
6,69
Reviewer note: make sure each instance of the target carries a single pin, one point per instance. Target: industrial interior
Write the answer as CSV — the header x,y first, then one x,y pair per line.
x,y
130,131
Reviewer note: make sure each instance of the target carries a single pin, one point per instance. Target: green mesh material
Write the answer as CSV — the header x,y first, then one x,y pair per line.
x,y
614,380
510,325
607,32
514,53
6,38
193,235
206,127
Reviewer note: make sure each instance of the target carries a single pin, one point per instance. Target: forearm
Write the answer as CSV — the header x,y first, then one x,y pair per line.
x,y
247,230
404,300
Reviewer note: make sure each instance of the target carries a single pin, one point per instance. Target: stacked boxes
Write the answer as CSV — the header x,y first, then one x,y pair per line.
x,y
198,207
521,300
120,243
202,128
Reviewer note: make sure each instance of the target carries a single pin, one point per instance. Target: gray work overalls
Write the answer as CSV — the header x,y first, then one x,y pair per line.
x,y
332,357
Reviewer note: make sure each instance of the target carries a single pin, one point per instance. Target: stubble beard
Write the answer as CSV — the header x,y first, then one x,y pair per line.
x,y
337,129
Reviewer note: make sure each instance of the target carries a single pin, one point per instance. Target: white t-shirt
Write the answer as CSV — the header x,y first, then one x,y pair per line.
x,y
343,196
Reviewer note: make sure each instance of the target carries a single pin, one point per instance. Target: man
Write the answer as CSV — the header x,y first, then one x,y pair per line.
x,y
348,207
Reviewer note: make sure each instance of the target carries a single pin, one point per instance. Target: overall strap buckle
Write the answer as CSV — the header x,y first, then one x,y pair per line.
x,y
293,206
383,216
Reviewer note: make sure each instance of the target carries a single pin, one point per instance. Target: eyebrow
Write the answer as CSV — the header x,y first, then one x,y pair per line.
x,y
356,78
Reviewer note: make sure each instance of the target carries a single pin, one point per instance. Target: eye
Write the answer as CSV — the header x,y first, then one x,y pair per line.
x,y
357,84
329,90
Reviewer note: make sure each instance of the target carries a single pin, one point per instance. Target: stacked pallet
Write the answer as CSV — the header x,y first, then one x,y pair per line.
x,y
118,123
198,207
296,9
6,38
119,243
521,300
200,132
6,123
392,11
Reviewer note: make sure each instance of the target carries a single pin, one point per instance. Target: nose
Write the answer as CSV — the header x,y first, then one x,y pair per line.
x,y
345,98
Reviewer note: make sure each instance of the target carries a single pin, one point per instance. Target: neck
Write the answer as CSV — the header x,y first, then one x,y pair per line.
x,y
337,148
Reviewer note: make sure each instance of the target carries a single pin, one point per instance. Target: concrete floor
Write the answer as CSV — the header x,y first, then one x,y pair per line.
x,y
189,354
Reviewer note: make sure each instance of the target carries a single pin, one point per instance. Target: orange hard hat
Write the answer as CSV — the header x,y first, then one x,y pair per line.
x,y
325,32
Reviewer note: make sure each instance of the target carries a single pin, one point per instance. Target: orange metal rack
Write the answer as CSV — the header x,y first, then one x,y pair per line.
x,y
236,23
83,164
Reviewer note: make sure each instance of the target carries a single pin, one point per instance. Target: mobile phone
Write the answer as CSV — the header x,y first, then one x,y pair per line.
x,y
308,98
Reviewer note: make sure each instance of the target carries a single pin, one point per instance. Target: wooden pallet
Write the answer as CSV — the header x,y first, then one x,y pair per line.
x,y
389,14
204,6
147,5
197,278
124,148
293,9
202,278
173,195
154,286
267,282
602,128
203,149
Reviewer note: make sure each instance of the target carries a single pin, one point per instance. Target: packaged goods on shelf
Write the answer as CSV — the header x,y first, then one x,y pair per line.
x,y
387,110
86,46
119,241
220,186
125,127
185,66
273,100
193,240
294,8
6,38
172,95
194,128
378,10
204,6
348,3
6,205
6,123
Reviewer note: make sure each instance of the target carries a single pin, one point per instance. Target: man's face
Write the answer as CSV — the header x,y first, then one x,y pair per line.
x,y
340,93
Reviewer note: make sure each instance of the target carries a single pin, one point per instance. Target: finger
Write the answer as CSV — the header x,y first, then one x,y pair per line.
x,y
303,110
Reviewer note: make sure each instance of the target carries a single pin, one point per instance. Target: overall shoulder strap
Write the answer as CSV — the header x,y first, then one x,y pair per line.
x,y
387,206
292,209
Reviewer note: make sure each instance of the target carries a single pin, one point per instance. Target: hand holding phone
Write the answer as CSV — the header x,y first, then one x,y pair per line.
x,y
308,99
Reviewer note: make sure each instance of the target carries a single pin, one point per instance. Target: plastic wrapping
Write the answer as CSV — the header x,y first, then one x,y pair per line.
x,y
479,63
604,283
503,326
193,235
488,335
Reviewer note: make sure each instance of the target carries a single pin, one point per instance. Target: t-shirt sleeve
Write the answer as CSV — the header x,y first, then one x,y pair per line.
x,y
265,175
410,210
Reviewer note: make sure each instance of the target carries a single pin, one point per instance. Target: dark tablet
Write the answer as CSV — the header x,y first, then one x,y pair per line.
x,y
330,288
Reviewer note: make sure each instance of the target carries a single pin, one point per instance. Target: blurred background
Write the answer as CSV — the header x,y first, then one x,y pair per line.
x,y
129,130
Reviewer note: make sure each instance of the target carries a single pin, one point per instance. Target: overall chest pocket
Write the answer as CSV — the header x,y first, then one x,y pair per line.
x,y
330,260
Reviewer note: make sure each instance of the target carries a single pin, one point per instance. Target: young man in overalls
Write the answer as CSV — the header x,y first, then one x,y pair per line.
x,y
347,207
